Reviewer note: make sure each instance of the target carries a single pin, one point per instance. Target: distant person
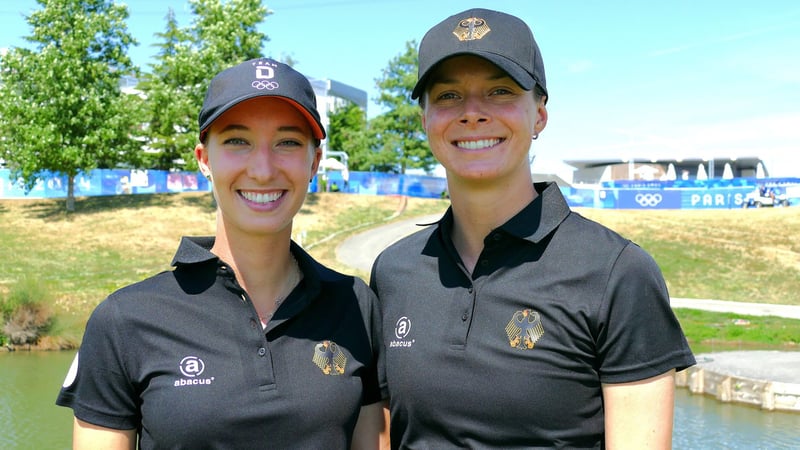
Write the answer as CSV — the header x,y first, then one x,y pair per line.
x,y
249,342
514,322
346,178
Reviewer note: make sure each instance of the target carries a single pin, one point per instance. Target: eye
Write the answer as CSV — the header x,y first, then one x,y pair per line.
x,y
290,143
235,141
502,91
447,96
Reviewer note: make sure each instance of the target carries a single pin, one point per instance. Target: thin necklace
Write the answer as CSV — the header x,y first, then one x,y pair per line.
x,y
294,277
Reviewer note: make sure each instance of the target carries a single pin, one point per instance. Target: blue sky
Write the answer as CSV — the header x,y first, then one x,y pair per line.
x,y
682,78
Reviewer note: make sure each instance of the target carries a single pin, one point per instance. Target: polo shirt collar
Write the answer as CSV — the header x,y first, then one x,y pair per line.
x,y
541,217
535,222
193,250
197,250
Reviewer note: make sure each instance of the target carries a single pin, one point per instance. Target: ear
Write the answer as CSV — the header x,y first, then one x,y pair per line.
x,y
201,154
317,156
541,117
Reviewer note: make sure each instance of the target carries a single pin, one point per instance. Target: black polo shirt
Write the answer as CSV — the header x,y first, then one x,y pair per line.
x,y
514,355
183,357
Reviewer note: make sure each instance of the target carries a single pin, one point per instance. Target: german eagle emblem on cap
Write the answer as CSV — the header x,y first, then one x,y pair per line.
x,y
329,358
471,29
524,329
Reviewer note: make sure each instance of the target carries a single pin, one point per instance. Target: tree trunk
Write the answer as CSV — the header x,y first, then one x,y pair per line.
x,y
70,193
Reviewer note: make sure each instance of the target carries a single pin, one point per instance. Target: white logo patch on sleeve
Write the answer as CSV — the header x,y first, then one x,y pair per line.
x,y
72,373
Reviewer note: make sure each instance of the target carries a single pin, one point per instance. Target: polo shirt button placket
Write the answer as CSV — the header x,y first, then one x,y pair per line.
x,y
262,351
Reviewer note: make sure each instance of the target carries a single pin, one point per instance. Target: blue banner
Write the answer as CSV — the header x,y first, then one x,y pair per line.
x,y
649,199
714,194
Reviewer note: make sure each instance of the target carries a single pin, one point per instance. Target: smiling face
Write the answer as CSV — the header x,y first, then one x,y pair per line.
x,y
480,122
260,155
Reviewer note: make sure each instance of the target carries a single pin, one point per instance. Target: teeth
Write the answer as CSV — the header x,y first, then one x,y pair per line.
x,y
261,198
475,145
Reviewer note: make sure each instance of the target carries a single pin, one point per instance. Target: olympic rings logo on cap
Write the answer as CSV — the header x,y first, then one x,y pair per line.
x,y
650,200
269,85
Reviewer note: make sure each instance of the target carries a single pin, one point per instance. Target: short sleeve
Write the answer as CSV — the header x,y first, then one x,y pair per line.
x,y
97,388
639,336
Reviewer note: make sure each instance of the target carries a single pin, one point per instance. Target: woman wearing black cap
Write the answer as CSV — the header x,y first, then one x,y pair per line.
x,y
248,342
514,322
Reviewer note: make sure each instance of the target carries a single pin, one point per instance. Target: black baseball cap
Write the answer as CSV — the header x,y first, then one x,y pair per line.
x,y
262,77
503,39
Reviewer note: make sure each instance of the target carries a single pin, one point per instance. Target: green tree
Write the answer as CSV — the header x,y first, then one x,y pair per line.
x,y
168,111
348,133
399,139
61,107
221,34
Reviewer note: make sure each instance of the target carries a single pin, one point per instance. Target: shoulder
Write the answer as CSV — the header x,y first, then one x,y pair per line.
x,y
335,283
134,300
592,235
405,249
144,289
608,250
331,277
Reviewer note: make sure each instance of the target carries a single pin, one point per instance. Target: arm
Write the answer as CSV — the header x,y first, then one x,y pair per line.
x,y
372,428
86,436
638,414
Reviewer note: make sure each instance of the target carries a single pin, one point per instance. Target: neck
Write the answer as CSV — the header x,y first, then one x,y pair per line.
x,y
264,267
476,212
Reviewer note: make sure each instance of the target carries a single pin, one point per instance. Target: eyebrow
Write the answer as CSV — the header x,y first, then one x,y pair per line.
x,y
285,128
441,80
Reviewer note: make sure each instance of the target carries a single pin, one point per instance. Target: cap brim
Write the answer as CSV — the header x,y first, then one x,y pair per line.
x,y
517,73
316,130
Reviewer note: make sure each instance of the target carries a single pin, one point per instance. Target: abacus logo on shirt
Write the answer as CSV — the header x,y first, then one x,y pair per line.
x,y
401,331
192,367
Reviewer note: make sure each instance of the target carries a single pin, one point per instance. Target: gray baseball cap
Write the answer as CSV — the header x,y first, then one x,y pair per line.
x,y
503,39
262,77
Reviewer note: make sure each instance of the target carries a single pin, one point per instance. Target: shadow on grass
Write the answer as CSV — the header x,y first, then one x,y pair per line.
x,y
57,208
311,200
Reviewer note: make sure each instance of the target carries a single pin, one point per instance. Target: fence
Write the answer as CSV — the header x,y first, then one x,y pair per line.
x,y
678,194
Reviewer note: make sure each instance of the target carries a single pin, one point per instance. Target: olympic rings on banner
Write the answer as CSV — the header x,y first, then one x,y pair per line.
x,y
650,200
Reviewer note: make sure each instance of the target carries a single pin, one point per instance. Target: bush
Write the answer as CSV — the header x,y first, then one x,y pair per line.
x,y
24,316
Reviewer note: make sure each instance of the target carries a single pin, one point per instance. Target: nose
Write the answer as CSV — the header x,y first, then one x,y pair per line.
x,y
261,164
473,112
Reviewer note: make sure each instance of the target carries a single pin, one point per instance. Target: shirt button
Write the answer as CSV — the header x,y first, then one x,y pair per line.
x,y
262,351
253,323
464,317
470,290
484,262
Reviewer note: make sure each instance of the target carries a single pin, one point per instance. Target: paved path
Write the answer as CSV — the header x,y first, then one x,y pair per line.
x,y
750,309
360,250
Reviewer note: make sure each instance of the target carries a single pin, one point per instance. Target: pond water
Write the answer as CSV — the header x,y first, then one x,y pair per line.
x,y
29,419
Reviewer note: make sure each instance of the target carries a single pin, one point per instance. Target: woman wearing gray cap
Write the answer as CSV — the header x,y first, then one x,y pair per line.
x,y
514,322
248,342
